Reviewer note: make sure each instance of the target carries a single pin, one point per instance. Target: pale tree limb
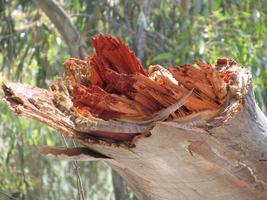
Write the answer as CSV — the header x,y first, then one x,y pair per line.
x,y
179,162
140,35
65,27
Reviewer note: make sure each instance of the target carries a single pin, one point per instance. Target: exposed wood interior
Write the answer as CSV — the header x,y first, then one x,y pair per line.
x,y
112,96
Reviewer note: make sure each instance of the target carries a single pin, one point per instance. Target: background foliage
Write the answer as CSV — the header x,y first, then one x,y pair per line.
x,y
175,32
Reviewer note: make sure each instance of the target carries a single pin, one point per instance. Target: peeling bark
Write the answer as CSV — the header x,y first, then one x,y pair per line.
x,y
209,144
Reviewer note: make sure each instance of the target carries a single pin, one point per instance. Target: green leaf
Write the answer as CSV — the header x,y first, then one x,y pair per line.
x,y
162,56
216,5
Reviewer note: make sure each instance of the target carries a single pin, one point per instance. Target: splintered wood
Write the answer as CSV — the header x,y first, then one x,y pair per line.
x,y
111,95
112,84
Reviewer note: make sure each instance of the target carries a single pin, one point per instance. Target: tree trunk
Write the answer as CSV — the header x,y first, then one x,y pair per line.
x,y
227,162
205,139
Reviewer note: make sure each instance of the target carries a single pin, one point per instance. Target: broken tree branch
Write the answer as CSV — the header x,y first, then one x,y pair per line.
x,y
209,147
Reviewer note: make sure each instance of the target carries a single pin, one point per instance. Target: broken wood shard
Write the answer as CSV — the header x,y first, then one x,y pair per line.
x,y
189,132
74,153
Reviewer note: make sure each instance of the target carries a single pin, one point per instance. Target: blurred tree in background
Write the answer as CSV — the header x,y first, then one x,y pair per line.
x,y
168,32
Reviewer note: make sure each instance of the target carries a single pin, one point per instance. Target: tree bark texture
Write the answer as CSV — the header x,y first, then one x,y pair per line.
x,y
227,162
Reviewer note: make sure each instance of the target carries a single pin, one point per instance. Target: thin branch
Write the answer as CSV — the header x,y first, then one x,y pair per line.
x,y
140,36
76,168
65,27
7,196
